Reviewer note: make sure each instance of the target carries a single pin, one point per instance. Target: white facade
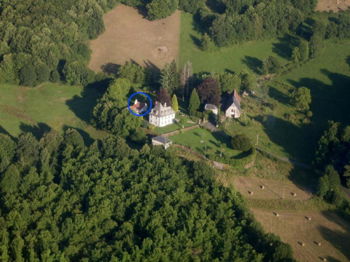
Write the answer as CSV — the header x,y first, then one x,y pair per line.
x,y
161,115
233,111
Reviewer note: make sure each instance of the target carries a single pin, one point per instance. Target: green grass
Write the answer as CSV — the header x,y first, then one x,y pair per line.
x,y
174,127
205,142
48,106
328,77
228,58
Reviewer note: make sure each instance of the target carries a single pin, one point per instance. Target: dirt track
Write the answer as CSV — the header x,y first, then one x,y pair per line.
x,y
129,36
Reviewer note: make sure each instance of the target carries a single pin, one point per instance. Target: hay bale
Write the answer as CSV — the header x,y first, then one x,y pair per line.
x,y
276,214
308,218
262,187
294,194
250,192
324,259
301,243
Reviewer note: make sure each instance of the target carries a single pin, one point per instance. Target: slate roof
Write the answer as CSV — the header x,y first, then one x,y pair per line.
x,y
160,111
234,98
161,139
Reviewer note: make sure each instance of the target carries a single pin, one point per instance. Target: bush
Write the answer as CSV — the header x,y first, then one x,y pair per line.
x,y
241,142
27,76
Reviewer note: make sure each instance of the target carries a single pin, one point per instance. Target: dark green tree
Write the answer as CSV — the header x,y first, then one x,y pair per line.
x,y
27,76
241,142
194,103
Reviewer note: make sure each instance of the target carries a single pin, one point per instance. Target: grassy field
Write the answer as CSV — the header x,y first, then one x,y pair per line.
x,y
205,142
130,36
175,126
48,106
235,58
328,77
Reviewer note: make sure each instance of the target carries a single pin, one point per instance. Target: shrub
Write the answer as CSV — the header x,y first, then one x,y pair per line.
x,y
241,142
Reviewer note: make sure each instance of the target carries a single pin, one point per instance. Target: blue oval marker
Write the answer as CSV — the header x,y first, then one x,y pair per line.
x,y
148,98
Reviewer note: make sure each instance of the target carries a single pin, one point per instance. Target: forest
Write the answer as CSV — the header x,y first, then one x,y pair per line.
x,y
62,200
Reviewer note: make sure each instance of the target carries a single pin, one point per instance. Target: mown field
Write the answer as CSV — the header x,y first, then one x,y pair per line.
x,y
48,106
235,58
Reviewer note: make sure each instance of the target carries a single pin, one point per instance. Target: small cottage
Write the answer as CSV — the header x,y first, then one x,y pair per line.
x,y
161,115
138,107
212,108
232,105
161,141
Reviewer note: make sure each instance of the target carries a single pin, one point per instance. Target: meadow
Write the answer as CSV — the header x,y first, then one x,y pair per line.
x,y
45,107
236,58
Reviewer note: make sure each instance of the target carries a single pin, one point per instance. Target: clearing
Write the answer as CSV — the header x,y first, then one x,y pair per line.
x,y
129,36
332,5
45,107
236,58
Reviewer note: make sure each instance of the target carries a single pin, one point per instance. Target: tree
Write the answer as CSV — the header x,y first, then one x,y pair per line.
x,y
42,72
163,96
10,180
185,77
271,65
296,55
194,102
27,76
229,82
158,9
303,50
241,142
209,91
133,72
169,77
316,45
76,73
249,82
175,104
206,44
302,98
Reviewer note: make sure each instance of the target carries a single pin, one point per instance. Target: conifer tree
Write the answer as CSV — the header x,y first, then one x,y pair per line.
x,y
194,102
175,104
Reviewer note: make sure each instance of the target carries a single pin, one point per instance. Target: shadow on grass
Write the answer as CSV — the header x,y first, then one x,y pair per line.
x,y
329,102
222,137
338,239
4,131
110,68
285,46
82,105
279,96
253,64
37,130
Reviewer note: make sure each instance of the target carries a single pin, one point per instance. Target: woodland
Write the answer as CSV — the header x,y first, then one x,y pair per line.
x,y
116,198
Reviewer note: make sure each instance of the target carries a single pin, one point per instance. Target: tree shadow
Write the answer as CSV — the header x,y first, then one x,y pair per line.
x,y
82,105
216,6
278,96
329,102
340,239
87,138
253,64
38,130
290,137
110,68
285,46
196,41
152,74
4,131
348,60
222,137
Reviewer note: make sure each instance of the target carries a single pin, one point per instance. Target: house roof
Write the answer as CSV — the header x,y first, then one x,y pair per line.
x,y
210,107
229,100
138,107
159,110
161,139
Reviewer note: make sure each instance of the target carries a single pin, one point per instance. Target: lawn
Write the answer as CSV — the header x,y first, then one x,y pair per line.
x,y
48,106
205,142
236,58
175,126
328,77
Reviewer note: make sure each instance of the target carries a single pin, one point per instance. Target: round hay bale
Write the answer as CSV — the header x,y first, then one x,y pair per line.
x,y
262,187
276,214
250,192
294,194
